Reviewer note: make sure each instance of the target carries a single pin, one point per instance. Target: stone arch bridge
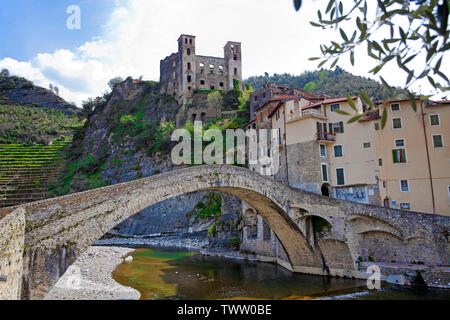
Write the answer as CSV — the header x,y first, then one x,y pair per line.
x,y
40,240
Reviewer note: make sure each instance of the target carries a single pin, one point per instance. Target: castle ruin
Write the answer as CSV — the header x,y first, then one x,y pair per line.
x,y
183,73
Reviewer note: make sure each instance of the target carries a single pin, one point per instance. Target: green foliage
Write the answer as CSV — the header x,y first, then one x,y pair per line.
x,y
212,230
320,224
398,32
28,125
211,207
235,241
337,83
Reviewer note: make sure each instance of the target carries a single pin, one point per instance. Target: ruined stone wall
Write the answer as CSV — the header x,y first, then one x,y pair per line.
x,y
170,73
211,78
12,237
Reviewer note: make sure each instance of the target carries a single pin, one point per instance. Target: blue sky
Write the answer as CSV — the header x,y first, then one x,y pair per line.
x,y
130,37
29,27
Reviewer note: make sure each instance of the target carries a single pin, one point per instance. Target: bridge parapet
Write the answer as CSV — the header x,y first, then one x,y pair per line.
x,y
56,231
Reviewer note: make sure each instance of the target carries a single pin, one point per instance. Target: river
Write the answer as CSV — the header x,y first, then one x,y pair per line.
x,y
178,274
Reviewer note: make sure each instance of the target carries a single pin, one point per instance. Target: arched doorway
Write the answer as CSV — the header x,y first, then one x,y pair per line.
x,y
325,190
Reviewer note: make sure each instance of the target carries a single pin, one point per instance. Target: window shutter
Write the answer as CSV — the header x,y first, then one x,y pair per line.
x,y
341,127
394,156
330,126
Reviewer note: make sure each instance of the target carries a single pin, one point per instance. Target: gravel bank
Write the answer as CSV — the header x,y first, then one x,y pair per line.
x,y
89,278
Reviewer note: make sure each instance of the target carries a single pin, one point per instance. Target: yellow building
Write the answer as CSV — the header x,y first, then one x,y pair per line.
x,y
413,158
324,153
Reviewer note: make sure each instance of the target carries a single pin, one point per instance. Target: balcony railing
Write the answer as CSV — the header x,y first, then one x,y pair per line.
x,y
305,113
327,137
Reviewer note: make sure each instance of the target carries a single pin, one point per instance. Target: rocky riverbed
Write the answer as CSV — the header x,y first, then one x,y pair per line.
x,y
89,278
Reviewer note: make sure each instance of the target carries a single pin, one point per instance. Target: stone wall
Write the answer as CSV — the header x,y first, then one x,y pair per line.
x,y
12,237
60,229
304,165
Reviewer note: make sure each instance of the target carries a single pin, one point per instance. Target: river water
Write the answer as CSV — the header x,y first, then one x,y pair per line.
x,y
178,274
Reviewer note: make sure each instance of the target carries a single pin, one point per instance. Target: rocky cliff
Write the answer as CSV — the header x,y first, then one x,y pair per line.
x,y
16,90
128,137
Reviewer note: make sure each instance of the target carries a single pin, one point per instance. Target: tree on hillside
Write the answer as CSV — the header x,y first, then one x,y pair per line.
x,y
114,82
409,31
4,72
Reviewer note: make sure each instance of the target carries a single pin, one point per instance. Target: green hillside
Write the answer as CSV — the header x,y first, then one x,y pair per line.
x,y
28,124
336,83
27,171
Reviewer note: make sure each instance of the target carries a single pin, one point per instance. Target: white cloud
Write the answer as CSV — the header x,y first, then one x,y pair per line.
x,y
275,39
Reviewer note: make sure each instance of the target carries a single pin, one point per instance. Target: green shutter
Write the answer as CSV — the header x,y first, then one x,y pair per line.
x,y
341,127
394,155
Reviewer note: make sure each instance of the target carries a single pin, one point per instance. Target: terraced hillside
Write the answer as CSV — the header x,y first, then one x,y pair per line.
x,y
27,171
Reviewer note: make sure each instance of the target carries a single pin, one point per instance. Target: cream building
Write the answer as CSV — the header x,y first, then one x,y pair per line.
x,y
324,153
413,157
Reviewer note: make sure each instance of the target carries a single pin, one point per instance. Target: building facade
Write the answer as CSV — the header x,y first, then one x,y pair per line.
x,y
184,72
412,156
325,154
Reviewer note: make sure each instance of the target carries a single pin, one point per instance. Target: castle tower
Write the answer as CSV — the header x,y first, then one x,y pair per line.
x,y
233,58
186,50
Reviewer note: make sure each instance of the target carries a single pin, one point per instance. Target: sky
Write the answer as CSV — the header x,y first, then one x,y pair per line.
x,y
130,37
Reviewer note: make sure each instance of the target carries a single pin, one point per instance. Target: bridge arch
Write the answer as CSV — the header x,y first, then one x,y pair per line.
x,y
56,231
59,230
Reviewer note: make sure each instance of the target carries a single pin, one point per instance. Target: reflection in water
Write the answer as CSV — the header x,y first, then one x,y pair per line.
x,y
174,274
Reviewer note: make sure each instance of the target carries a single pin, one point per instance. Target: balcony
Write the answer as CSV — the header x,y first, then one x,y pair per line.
x,y
305,113
324,137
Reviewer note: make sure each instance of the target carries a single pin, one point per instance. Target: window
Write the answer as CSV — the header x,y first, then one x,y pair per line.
x,y
221,69
174,64
366,145
400,142
185,40
211,68
324,172
188,51
189,66
234,56
397,123
404,186
335,107
221,84
395,107
384,184
190,41
261,116
277,115
338,127
337,151
212,87
189,88
437,141
399,155
189,78
340,176
380,162
434,120
256,98
235,71
173,75
202,82
202,66
323,150
377,126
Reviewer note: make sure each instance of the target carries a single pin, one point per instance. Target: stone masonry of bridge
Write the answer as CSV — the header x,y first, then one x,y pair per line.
x,y
40,240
